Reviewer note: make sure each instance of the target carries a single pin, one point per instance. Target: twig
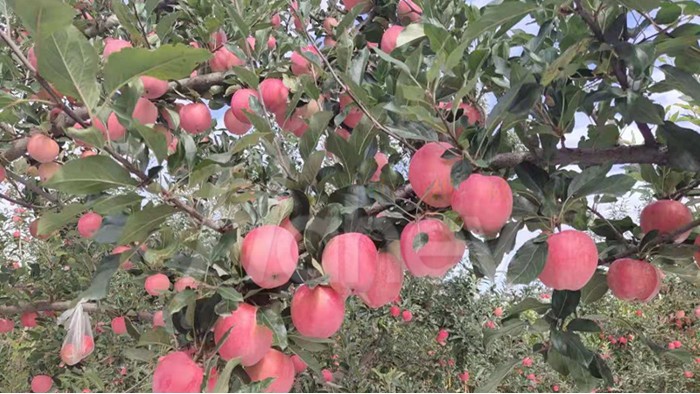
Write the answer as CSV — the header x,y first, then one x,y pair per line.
x,y
661,239
618,234
18,202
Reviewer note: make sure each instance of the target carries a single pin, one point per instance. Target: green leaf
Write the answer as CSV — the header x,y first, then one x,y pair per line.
x,y
595,289
273,320
641,109
90,136
682,81
532,177
496,16
107,205
564,303
510,328
230,294
49,222
222,384
90,175
166,62
317,124
592,180
140,224
570,345
153,139
505,241
480,255
139,354
411,33
559,68
459,172
419,241
43,17
683,146
527,263
311,167
100,282
517,101
585,325
70,63
156,336
528,304
498,374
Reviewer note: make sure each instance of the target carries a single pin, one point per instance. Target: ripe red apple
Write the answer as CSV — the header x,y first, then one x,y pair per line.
x,y
395,311
350,261
224,60
153,88
440,251
233,125
300,65
28,319
115,131
407,315
571,260
442,336
71,355
240,103
317,312
408,11
269,255
42,148
41,384
387,281
329,25
429,174
634,280
388,43
47,170
157,284
366,5
145,111
113,45
6,325
158,320
274,94
248,340
195,118
177,373
275,365
217,39
329,42
275,20
666,216
381,160
88,224
119,325
327,375
271,43
295,124
469,110
299,364
298,24
354,114
484,202
186,282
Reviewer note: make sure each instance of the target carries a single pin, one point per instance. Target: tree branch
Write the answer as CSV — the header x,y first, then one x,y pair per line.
x,y
58,306
659,240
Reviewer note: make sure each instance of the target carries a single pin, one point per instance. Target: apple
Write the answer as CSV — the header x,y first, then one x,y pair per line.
x,y
430,175
223,60
387,282
6,325
177,373
28,319
274,94
354,115
47,170
248,340
269,255
300,65
119,325
240,104
113,45
89,224
41,384
350,261
299,364
275,365
154,88
186,282
317,312
429,248
484,202
195,118
408,11
572,259
634,280
388,43
42,148
381,160
157,284
666,216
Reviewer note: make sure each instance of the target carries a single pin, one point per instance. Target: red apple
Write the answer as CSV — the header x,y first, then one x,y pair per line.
x,y
388,43
157,284
88,224
317,312
154,88
186,282
274,94
484,202
387,281
299,364
572,259
233,125
28,319
41,384
381,160
366,5
248,340
429,174
113,45
6,325
47,170
240,104
666,216
350,261
115,131
275,365
429,248
408,11
634,280
269,255
195,118
354,114
177,373
119,325
42,148
224,60
300,65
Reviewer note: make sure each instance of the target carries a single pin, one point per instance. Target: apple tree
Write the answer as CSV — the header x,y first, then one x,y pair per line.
x,y
248,168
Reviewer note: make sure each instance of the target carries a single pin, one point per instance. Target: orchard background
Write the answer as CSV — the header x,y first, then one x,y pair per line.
x,y
350,196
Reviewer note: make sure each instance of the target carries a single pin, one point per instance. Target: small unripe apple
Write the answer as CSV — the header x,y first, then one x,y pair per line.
x,y
388,43
119,325
430,175
42,148
177,373
387,283
634,280
88,224
240,104
28,319
47,170
407,315
275,20
350,261
484,202
157,284
113,45
153,88
224,60
408,11
666,216
269,255
572,259
274,94
41,384
158,320
299,364
327,375
429,248
275,365
248,340
195,118
317,312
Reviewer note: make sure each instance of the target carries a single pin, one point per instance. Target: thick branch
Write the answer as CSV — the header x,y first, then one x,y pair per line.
x,y
617,155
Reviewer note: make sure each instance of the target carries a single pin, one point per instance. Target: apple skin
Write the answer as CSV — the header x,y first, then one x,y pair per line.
x,y
430,175
484,202
42,148
274,94
248,340
269,255
387,283
176,372
299,364
389,38
381,160
408,11
634,280
572,259
240,104
154,88
113,45
41,384
89,224
195,118
317,312
666,216
350,4
350,260
276,365
441,252
157,284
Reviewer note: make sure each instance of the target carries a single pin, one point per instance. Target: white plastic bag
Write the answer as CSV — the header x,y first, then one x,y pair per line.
x,y
79,342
